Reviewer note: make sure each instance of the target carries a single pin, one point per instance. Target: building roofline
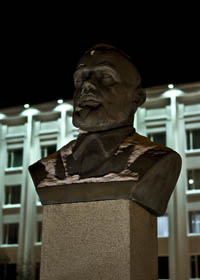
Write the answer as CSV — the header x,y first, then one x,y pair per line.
x,y
43,107
152,92
184,87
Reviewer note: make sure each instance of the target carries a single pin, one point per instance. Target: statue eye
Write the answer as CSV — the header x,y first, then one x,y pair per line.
x,y
107,76
108,79
78,82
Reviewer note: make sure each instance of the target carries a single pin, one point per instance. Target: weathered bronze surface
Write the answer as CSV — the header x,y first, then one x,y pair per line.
x,y
109,160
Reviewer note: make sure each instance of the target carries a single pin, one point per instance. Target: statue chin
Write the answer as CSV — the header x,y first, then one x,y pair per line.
x,y
85,121
90,125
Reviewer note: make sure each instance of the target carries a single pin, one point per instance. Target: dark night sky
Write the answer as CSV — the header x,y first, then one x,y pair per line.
x,y
39,56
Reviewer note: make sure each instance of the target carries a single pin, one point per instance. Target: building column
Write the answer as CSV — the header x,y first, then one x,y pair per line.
x,y
65,131
139,121
2,174
178,241
29,200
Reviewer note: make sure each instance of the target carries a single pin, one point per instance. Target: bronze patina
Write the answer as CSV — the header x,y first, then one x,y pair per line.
x,y
109,160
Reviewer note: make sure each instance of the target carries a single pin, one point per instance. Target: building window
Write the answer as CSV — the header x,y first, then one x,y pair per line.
x,y
12,194
15,158
194,222
39,231
163,226
159,138
75,133
8,271
37,271
193,139
10,233
195,266
48,150
163,267
193,179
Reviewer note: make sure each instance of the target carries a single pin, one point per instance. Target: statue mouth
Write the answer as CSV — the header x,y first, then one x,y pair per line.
x,y
84,111
89,100
86,104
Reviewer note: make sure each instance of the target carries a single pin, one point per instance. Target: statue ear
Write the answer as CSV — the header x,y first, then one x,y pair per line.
x,y
139,97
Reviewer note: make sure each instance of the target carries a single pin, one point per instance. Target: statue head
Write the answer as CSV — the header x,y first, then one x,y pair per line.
x,y
107,90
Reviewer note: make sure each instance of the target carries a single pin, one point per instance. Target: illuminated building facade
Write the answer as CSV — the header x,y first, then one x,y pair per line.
x,y
170,116
26,135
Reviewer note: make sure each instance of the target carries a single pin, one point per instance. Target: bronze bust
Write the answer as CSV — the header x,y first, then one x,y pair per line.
x,y
109,160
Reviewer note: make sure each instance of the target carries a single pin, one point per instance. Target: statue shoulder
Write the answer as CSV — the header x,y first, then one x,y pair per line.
x,y
159,169
153,148
138,139
52,164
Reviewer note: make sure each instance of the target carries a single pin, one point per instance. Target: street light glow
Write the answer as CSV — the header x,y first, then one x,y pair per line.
x,y
60,101
26,106
170,86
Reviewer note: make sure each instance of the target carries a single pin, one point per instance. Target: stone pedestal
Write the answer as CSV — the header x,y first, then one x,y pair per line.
x,y
100,240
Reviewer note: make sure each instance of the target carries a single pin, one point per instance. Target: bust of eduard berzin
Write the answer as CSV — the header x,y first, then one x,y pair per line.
x,y
109,160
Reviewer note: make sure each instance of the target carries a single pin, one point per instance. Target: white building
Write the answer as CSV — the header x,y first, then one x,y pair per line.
x,y
170,116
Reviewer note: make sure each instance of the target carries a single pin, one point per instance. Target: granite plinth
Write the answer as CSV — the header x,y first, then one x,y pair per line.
x,y
112,239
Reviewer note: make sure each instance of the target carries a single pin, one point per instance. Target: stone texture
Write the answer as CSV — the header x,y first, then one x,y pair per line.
x,y
112,239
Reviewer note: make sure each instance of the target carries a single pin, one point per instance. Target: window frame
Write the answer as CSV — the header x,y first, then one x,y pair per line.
x,y
168,269
194,190
151,128
39,225
37,222
45,146
197,269
150,135
189,146
5,243
7,270
12,149
10,205
188,223
162,236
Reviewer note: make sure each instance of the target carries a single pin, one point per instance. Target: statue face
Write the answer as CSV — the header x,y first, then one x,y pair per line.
x,y
105,83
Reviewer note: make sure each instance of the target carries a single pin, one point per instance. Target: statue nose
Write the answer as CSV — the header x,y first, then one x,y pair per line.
x,y
87,87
